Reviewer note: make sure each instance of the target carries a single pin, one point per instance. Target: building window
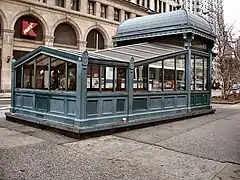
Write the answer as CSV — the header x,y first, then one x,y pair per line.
x,y
164,7
44,1
65,34
138,2
116,14
143,2
103,78
148,3
59,3
95,40
160,6
18,54
91,9
170,8
127,15
75,5
174,8
103,11
155,4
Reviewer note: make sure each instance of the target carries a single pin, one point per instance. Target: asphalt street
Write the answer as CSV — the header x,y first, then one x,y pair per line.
x,y
200,148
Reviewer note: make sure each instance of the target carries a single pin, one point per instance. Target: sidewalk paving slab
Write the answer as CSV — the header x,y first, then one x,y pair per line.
x,y
54,137
179,166
10,139
219,140
106,146
192,149
230,172
17,126
50,161
164,131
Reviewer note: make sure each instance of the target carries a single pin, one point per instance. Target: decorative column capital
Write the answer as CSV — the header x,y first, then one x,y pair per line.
x,y
188,38
131,65
8,36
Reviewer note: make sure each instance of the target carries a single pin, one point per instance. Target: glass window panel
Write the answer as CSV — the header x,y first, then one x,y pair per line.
x,y
103,11
205,75
107,78
58,74
93,77
75,5
59,3
193,73
19,77
42,73
28,78
120,79
169,74
140,78
181,73
116,14
72,74
155,76
198,73
91,9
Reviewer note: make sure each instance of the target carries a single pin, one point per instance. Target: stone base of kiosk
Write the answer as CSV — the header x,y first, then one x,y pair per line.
x,y
103,126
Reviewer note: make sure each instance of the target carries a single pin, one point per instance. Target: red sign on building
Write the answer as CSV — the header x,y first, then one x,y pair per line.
x,y
27,28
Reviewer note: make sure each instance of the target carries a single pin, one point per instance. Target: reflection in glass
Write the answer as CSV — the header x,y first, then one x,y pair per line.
x,y
58,74
107,78
140,78
110,78
155,76
19,77
72,69
120,79
193,73
93,77
205,74
42,76
169,74
28,78
180,67
198,73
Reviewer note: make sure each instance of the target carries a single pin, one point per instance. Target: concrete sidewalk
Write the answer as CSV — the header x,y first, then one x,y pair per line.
x,y
5,96
202,148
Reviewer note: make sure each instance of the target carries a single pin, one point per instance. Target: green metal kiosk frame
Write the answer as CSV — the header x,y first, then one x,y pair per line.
x,y
159,73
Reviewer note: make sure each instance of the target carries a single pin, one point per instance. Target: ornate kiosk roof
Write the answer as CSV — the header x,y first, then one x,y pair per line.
x,y
162,24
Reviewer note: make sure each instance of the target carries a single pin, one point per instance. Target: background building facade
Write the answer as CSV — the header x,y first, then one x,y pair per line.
x,y
206,8
73,24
